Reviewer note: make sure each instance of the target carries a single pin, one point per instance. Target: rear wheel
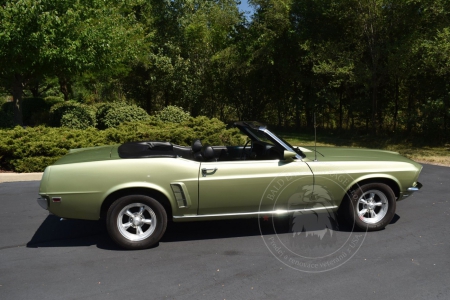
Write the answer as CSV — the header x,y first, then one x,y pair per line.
x,y
136,221
372,206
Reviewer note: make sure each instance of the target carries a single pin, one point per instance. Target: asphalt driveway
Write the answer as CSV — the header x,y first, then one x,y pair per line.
x,y
42,257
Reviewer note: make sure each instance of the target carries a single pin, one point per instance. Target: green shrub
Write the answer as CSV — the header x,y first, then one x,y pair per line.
x,y
52,100
31,149
102,110
72,115
113,114
173,114
32,164
210,131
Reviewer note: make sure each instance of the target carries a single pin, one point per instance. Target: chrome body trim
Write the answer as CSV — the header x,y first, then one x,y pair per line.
x,y
42,203
181,194
273,136
275,212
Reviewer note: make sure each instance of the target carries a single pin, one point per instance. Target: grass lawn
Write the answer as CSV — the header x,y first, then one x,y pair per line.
x,y
420,153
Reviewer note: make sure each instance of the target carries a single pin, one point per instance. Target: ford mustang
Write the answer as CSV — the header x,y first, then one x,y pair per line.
x,y
138,186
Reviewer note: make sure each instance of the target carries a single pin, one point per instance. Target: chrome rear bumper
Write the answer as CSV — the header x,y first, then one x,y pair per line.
x,y
42,203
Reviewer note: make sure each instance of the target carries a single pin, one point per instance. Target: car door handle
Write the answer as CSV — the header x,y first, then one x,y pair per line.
x,y
206,171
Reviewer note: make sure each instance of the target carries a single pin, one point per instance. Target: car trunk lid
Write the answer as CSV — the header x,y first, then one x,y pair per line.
x,y
89,154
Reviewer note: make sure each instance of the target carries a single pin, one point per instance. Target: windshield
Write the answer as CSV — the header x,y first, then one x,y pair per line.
x,y
264,135
283,143
259,136
290,146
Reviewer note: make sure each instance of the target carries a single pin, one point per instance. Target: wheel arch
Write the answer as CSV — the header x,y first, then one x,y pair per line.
x,y
393,184
349,207
150,192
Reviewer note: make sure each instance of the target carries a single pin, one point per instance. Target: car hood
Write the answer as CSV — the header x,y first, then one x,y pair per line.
x,y
89,154
351,154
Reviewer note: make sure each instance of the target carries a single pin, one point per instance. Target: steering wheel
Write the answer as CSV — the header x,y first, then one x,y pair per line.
x,y
243,154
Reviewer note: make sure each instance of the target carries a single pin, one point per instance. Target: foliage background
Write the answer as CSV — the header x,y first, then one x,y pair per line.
x,y
32,149
377,67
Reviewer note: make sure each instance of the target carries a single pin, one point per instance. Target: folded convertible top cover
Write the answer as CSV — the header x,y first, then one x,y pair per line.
x,y
146,149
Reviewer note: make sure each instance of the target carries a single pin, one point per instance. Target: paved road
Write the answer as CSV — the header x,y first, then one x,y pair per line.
x,y
43,258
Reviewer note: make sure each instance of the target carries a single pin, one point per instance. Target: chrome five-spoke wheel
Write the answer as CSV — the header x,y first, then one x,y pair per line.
x,y
372,206
136,221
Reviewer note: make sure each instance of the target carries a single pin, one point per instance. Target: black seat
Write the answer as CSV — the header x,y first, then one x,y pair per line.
x,y
196,150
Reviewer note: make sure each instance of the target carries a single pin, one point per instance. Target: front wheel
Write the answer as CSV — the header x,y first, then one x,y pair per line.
x,y
372,206
136,222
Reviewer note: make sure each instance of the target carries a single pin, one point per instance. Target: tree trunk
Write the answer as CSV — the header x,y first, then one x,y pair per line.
x,y
349,117
166,99
341,114
297,107
410,118
446,114
374,102
368,11
64,87
309,110
297,116
396,104
280,116
148,102
380,115
35,91
17,99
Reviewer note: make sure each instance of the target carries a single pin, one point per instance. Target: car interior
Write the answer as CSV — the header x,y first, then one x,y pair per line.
x,y
252,150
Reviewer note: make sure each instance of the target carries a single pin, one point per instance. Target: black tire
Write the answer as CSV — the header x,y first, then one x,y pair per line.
x,y
136,222
371,206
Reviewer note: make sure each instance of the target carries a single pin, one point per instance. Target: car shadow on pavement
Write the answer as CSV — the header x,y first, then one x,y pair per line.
x,y
72,233
395,219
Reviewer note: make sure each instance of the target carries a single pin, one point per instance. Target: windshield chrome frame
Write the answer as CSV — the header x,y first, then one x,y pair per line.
x,y
279,141
246,127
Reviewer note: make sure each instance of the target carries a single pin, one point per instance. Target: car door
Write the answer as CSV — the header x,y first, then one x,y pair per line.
x,y
250,186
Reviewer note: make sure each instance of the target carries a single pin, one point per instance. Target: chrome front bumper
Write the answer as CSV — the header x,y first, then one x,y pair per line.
x,y
42,203
410,191
415,188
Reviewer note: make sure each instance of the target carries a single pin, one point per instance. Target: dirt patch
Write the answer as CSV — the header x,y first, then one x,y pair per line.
x,y
432,163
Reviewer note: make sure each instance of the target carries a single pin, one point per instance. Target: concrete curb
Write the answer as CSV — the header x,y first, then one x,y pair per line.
x,y
13,177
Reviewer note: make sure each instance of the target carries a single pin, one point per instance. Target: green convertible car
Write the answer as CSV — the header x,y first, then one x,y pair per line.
x,y
137,186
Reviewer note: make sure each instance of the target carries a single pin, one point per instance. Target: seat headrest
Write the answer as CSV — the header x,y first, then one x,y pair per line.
x,y
207,152
196,146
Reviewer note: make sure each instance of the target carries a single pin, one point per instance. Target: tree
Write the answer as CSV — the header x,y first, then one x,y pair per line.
x,y
63,39
180,69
